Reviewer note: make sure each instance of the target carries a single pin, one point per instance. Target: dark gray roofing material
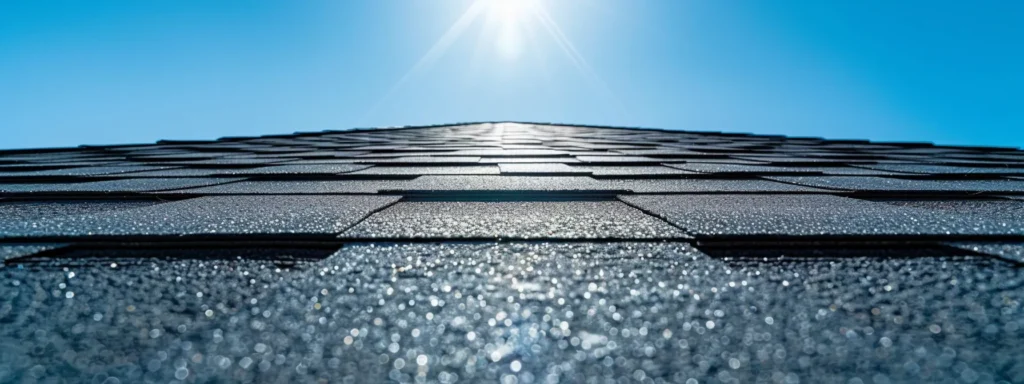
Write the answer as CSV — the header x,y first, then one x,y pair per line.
x,y
430,170
212,215
12,251
113,186
25,210
810,215
501,252
888,184
1009,251
650,310
513,219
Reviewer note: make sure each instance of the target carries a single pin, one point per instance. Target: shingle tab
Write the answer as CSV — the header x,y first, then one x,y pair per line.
x,y
502,183
636,170
1010,211
430,170
14,211
886,184
1010,251
120,185
539,168
746,169
12,251
931,169
273,187
214,215
84,171
569,220
706,186
809,215
299,169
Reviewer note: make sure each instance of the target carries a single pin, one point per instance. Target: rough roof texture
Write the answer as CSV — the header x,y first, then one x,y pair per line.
x,y
520,253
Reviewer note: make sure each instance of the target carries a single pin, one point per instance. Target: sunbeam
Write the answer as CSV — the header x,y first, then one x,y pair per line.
x,y
504,29
435,52
575,57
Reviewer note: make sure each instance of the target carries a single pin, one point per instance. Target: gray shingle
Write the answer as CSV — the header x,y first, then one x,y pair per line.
x,y
298,169
539,168
886,184
563,220
502,183
424,160
666,299
636,170
14,211
213,215
809,215
1013,252
1009,211
746,169
11,251
113,186
302,187
179,172
84,171
945,169
507,160
705,186
431,170
617,159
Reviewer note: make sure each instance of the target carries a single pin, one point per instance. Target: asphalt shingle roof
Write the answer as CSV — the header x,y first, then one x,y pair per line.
x,y
512,252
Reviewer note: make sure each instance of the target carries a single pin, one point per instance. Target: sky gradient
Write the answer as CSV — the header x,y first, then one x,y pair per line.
x,y
107,72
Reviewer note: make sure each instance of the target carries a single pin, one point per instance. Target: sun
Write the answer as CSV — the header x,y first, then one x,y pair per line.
x,y
510,11
510,19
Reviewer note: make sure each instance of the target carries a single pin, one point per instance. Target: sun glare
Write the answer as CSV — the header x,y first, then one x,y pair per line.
x,y
511,30
511,11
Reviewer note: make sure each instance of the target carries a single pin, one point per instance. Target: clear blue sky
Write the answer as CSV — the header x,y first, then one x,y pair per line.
x,y
99,71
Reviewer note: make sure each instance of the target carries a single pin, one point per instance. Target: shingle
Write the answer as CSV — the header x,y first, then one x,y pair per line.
x,y
299,169
502,183
886,184
667,300
617,159
636,170
507,160
945,169
213,215
809,215
424,160
84,171
705,186
11,251
745,169
791,160
511,152
228,161
539,168
13,211
179,172
128,259
431,170
296,187
1010,211
1013,252
564,220
120,185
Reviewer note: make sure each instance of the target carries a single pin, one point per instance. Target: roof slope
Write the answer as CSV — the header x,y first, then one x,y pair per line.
x,y
513,252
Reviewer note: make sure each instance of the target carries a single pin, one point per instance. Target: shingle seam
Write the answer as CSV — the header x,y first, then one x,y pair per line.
x,y
655,215
368,214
